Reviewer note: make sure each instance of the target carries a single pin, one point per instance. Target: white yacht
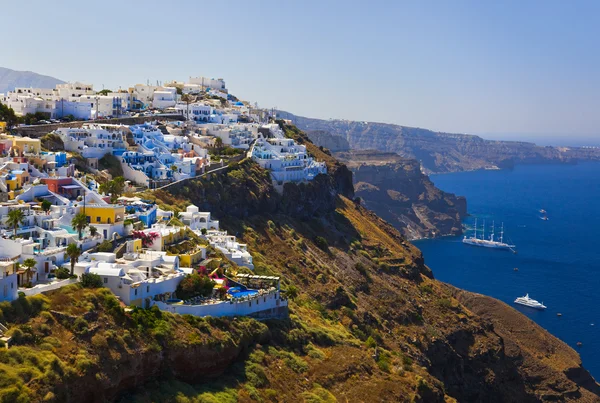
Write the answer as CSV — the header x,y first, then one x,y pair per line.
x,y
532,303
488,243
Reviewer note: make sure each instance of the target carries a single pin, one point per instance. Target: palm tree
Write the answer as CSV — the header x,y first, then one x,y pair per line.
x,y
29,263
79,222
16,218
93,230
73,252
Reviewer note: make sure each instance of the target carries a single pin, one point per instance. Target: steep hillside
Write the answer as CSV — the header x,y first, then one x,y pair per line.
x,y
397,191
442,152
9,79
368,322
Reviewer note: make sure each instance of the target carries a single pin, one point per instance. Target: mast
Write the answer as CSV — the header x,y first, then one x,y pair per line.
x,y
493,229
483,229
475,228
502,233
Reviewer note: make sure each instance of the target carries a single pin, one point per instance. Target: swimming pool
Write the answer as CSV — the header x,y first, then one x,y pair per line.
x,y
237,292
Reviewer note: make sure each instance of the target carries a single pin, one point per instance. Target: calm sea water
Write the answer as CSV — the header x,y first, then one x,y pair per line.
x,y
558,259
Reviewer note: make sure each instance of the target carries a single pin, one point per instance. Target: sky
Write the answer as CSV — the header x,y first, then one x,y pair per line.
x,y
509,69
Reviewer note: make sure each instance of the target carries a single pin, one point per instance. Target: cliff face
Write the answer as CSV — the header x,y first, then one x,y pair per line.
x,y
442,152
397,190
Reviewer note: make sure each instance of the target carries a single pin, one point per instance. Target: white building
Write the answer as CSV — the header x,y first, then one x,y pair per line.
x,y
164,98
287,161
137,278
205,82
197,112
229,246
92,140
111,105
198,220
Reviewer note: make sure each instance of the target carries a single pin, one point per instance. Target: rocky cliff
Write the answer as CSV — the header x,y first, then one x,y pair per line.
x,y
397,191
442,152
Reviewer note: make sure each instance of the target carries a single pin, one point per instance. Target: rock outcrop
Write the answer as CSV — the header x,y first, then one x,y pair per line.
x,y
397,190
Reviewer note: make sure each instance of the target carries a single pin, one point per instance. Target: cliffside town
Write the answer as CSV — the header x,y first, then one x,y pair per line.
x,y
225,256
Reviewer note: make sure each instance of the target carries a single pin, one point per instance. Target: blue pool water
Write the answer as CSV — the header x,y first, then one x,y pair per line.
x,y
237,292
558,259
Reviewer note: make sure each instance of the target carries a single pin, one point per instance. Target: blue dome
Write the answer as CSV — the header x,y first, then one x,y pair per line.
x,y
238,103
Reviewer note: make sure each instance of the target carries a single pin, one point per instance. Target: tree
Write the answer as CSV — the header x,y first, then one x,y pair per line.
x,y
187,99
29,264
93,230
79,222
7,114
73,252
114,187
46,205
104,92
91,280
193,285
218,142
16,218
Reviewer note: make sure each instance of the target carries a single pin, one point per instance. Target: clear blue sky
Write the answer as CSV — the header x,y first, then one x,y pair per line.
x,y
462,66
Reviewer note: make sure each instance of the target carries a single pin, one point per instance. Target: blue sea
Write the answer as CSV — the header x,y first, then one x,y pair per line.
x,y
558,259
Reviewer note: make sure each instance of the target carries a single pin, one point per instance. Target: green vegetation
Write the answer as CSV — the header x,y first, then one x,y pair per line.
x,y
79,222
195,285
114,188
112,164
105,246
52,142
46,205
62,273
91,280
15,219
7,114
322,243
73,252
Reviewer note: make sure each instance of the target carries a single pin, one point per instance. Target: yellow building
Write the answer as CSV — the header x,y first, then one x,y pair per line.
x,y
137,246
193,258
27,145
16,179
2,127
97,214
171,236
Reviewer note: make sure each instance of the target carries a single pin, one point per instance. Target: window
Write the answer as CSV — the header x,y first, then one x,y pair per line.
x,y
148,288
105,280
136,291
97,219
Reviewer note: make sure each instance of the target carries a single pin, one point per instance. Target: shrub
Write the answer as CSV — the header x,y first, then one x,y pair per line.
x,y
296,363
426,288
105,246
256,376
371,343
445,303
292,291
193,285
80,326
322,243
91,280
62,273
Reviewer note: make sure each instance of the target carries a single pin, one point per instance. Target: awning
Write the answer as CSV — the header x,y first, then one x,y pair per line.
x,y
71,187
